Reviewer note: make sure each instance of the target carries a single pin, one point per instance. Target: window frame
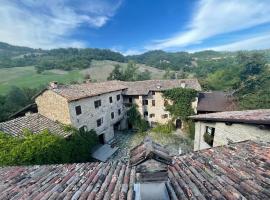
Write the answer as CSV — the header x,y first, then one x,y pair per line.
x,y
112,115
98,103
118,97
153,103
111,99
119,111
101,122
78,112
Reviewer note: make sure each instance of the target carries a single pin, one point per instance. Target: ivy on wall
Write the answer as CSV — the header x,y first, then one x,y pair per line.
x,y
181,106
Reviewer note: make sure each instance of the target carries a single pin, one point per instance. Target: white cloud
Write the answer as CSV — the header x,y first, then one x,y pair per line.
x,y
50,23
253,43
216,17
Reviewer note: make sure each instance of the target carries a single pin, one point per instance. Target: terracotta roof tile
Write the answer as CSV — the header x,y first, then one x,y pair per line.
x,y
79,91
237,171
261,116
36,123
216,101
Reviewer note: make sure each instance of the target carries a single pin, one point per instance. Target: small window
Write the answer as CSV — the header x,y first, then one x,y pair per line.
x,y
209,135
153,93
78,110
130,100
145,113
110,99
152,115
145,102
118,97
153,103
112,115
97,103
164,116
165,102
99,122
119,111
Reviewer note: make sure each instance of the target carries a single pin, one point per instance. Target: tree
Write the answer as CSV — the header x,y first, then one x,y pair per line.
x,y
116,74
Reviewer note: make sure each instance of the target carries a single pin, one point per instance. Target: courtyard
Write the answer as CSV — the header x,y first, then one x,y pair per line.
x,y
177,142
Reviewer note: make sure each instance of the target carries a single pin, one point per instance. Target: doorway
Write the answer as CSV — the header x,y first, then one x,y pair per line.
x,y
101,139
178,124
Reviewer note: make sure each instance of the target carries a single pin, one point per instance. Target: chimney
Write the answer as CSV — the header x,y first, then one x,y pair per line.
x,y
53,85
151,162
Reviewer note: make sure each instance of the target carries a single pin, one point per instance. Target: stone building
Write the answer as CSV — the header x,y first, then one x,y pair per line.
x,y
103,106
147,95
221,128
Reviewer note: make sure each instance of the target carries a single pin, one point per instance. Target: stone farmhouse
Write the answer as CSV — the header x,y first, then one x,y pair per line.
x,y
235,171
103,106
216,129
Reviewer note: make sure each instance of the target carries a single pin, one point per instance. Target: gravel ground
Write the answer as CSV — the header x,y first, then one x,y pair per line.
x,y
177,142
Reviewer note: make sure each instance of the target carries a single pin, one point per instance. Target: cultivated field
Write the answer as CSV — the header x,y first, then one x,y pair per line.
x,y
27,76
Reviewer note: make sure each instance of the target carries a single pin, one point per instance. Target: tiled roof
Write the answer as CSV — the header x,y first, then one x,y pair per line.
x,y
79,91
33,122
143,87
237,171
261,116
149,150
216,101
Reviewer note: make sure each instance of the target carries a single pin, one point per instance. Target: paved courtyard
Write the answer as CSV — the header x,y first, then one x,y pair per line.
x,y
177,142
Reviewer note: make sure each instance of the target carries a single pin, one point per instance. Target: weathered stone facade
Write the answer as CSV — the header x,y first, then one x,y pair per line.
x,y
53,106
225,133
90,114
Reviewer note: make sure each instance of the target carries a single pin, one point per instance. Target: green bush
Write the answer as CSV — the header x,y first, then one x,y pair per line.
x,y
45,148
164,128
135,119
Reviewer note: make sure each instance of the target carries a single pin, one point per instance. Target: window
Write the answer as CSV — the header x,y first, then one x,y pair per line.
x,y
209,135
130,100
78,110
145,113
165,102
110,99
112,115
119,111
145,102
152,115
97,103
118,97
153,103
83,129
153,92
99,122
164,116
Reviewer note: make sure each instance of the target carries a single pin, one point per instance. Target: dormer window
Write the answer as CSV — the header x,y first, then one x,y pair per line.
x,y
78,110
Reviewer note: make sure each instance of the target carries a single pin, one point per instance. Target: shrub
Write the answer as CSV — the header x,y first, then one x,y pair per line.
x,y
45,148
164,128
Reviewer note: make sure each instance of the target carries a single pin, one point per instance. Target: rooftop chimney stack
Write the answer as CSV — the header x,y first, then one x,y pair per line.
x,y
53,85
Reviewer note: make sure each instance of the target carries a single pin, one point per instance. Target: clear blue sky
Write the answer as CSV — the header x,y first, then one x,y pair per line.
x,y
136,26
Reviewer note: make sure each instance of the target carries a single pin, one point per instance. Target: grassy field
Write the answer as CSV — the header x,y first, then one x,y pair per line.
x,y
27,76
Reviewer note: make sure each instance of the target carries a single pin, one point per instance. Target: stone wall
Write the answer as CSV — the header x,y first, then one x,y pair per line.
x,y
90,114
225,133
53,106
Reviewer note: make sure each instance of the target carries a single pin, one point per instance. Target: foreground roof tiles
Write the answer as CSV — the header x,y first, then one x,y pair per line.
x,y
35,123
261,116
238,171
